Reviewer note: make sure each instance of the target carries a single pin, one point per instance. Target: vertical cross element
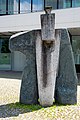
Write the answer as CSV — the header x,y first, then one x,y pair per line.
x,y
47,58
48,25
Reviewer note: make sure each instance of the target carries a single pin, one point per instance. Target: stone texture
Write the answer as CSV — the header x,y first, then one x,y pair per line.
x,y
47,27
54,60
47,58
25,43
66,85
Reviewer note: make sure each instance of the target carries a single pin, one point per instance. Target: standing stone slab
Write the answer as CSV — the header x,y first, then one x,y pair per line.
x,y
47,58
25,43
66,85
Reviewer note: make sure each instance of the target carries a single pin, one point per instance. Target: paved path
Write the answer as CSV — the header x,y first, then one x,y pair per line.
x,y
10,83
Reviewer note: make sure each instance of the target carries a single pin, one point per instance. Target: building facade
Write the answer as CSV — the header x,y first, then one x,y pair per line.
x,y
24,15
8,7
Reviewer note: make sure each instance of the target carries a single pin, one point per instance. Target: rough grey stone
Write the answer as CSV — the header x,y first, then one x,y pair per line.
x,y
25,43
66,85
47,59
48,27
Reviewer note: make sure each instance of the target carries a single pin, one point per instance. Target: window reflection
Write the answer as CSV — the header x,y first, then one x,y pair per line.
x,y
67,3
52,3
2,6
38,5
75,3
64,4
61,3
76,48
10,6
5,57
25,6
16,6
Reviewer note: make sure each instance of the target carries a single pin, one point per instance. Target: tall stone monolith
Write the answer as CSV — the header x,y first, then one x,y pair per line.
x,y
25,43
66,84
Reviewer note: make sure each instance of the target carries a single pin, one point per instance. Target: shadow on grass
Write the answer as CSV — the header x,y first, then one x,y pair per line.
x,y
14,109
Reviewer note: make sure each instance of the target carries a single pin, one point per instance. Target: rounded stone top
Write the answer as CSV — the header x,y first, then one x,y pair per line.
x,y
48,9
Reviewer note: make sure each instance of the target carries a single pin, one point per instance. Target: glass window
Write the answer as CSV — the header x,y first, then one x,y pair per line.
x,y
10,6
2,6
0,45
38,5
5,55
67,3
4,43
52,3
25,6
16,5
61,4
76,48
64,3
75,3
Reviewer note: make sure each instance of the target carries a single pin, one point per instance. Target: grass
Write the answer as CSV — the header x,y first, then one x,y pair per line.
x,y
30,108
55,112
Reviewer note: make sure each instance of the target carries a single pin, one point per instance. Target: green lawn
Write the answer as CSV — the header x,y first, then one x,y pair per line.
x,y
55,112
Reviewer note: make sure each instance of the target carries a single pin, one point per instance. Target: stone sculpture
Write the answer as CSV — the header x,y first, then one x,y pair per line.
x,y
66,84
25,43
49,64
47,58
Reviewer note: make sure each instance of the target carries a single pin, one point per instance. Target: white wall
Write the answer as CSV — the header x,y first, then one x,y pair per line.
x,y
65,18
68,18
19,22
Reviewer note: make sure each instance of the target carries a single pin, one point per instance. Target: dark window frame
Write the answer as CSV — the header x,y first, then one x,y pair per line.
x,y
31,5
7,7
19,7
